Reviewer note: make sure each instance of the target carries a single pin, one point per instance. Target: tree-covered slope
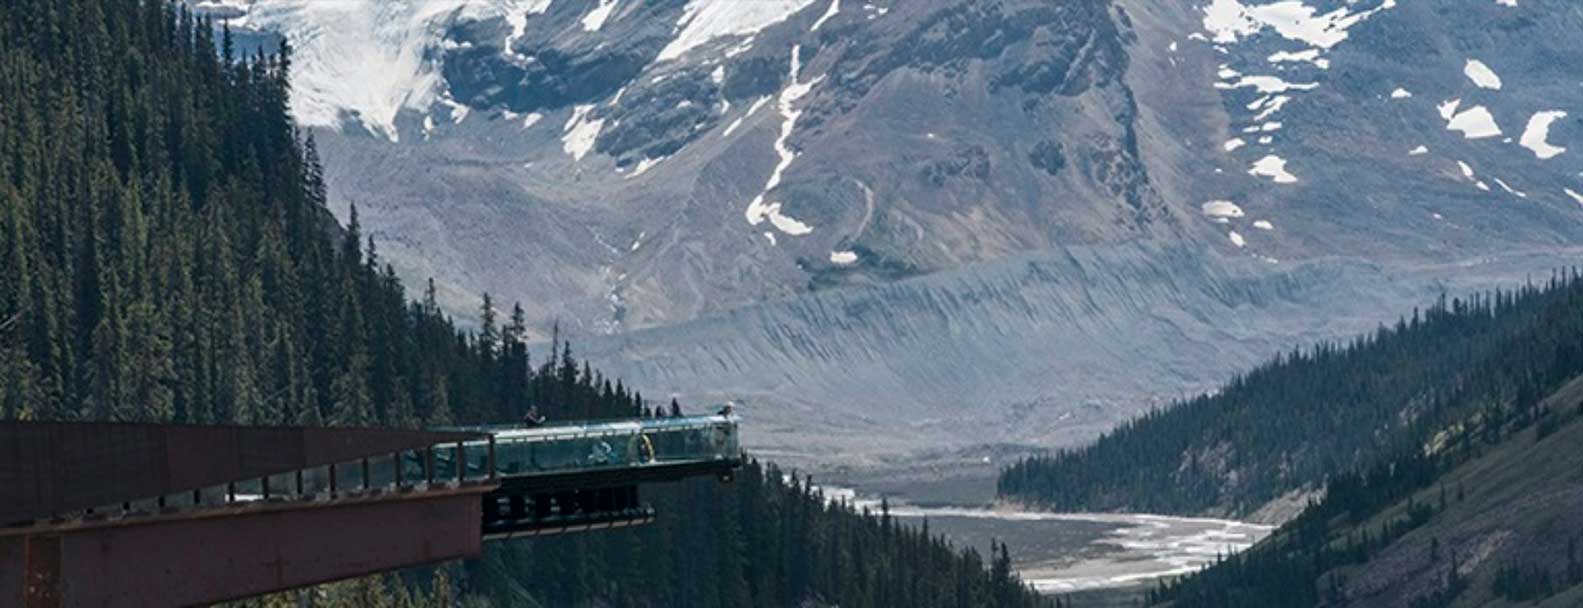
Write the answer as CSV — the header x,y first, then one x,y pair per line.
x,y
1493,518
167,254
1296,421
768,539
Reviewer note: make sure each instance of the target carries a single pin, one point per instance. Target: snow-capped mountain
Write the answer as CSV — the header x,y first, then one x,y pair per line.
x,y
743,195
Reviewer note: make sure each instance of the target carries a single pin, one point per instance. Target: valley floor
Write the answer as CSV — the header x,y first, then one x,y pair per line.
x,y
1098,558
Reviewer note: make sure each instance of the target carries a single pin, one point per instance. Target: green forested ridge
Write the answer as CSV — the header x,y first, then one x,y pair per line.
x,y
1492,516
1305,416
166,255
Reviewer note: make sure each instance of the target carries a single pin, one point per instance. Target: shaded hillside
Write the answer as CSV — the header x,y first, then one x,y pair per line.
x,y
1493,520
1294,422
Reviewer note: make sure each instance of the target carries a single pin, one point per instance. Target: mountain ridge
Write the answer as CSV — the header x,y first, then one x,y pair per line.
x,y
564,163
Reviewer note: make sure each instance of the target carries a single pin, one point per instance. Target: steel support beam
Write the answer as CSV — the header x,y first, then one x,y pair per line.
x,y
212,555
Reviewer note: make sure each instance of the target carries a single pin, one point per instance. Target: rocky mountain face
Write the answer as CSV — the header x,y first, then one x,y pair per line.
x,y
949,223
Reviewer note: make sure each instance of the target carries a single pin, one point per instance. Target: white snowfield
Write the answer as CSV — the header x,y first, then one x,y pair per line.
x,y
1230,20
706,20
369,59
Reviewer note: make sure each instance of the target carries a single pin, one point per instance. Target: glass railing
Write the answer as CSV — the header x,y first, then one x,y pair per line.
x,y
517,450
520,450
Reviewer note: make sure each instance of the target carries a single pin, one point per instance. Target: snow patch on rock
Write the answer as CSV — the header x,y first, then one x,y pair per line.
x,y
644,166
758,210
580,132
1226,209
738,122
1538,131
1474,123
1467,170
1273,167
1509,190
1309,55
1275,104
1481,75
835,7
1267,84
596,18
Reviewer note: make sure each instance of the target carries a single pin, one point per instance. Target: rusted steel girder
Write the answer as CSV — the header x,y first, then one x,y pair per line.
x,y
51,468
211,555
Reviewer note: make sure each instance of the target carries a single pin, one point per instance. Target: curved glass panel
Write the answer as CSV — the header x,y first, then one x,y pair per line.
x,y
521,450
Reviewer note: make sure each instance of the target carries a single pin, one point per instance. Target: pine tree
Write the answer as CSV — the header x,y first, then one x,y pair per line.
x,y
353,406
439,398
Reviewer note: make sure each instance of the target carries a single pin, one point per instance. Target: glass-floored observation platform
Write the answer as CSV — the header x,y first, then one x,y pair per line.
x,y
521,452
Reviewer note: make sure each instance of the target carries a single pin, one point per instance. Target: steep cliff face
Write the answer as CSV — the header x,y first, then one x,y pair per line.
x,y
627,164
835,206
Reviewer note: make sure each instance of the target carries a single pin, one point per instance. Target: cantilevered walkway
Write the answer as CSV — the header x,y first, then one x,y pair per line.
x,y
168,515
574,477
